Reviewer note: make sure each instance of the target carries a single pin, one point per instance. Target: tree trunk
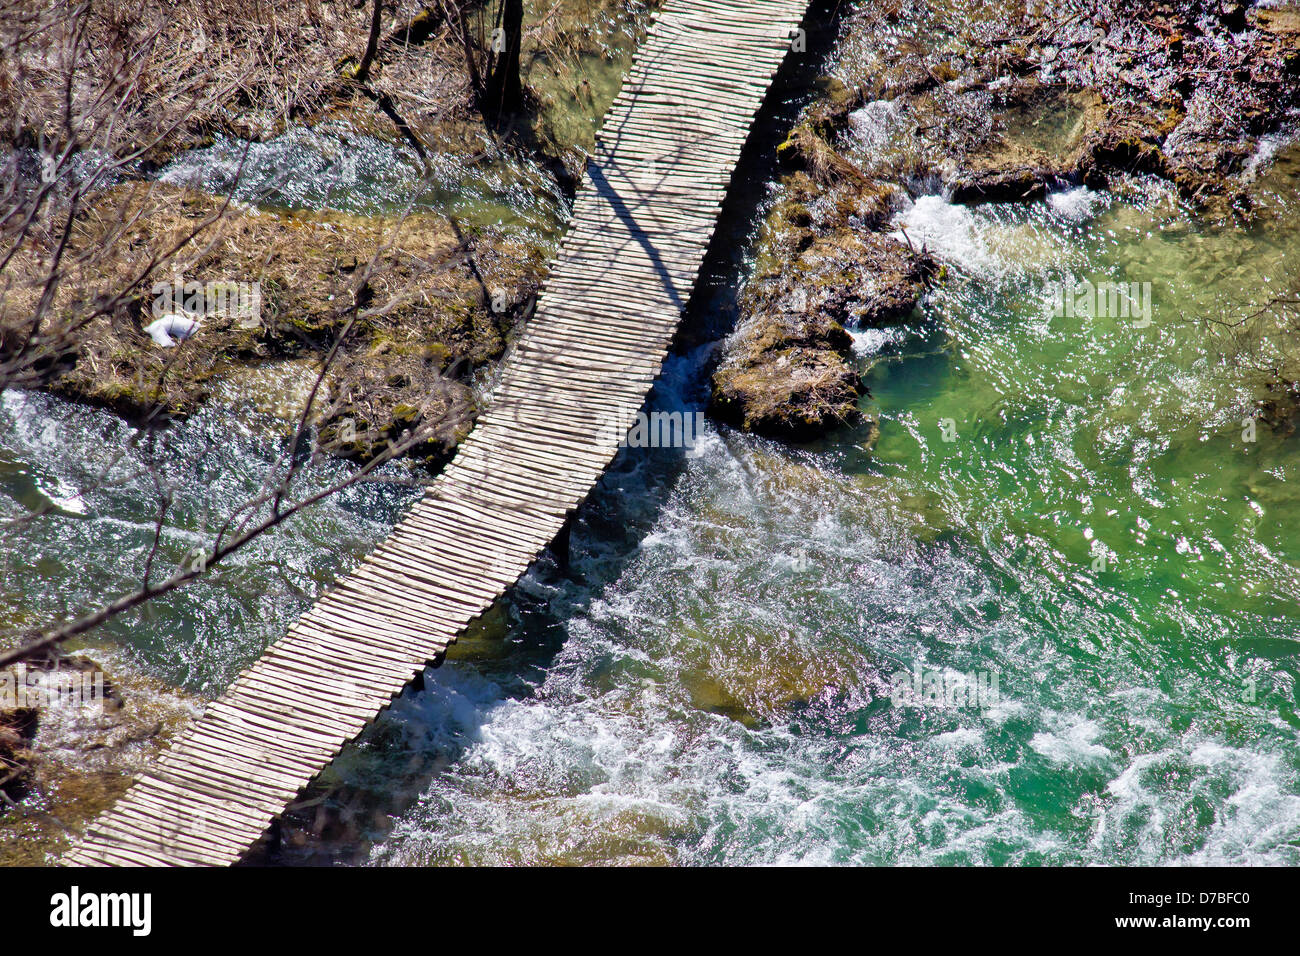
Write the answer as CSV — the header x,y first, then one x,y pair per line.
x,y
372,45
504,93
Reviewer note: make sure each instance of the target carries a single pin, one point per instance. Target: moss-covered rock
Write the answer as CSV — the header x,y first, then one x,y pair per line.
x,y
795,393
407,298
787,371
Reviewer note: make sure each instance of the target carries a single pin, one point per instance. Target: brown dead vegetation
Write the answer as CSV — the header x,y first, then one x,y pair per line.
x,y
129,86
245,67
425,323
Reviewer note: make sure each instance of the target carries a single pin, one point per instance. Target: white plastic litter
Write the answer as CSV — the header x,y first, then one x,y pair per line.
x,y
170,328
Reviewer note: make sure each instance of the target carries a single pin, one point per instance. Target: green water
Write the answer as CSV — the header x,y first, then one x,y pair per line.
x,y
712,682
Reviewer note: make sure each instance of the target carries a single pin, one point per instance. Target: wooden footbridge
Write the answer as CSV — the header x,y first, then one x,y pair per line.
x,y
581,370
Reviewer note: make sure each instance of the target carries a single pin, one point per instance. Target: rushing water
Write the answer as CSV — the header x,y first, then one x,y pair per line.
x,y
1070,505
331,166
710,682
95,474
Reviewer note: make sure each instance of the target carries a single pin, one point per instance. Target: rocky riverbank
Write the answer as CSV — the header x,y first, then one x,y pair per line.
x,y
982,103
71,738
434,278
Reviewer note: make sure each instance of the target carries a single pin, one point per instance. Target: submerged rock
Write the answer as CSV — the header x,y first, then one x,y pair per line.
x,y
30,694
17,725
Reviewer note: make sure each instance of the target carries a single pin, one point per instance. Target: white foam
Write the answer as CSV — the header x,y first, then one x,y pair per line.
x,y
61,496
972,240
874,124
1266,150
1073,746
1076,205
961,739
1257,823
869,342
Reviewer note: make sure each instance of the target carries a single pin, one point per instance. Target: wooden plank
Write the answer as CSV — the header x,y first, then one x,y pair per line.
x,y
603,325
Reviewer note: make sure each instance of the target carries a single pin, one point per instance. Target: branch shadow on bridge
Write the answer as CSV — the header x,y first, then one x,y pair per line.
x,y
611,195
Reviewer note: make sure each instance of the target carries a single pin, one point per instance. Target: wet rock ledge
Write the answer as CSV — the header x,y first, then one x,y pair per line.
x,y
787,370
981,103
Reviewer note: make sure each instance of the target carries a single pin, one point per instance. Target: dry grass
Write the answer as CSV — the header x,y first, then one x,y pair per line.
x,y
139,81
160,76
419,297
